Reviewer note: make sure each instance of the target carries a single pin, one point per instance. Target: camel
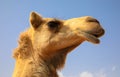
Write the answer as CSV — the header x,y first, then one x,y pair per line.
x,y
43,47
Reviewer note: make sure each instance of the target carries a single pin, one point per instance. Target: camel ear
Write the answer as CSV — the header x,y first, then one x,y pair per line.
x,y
35,20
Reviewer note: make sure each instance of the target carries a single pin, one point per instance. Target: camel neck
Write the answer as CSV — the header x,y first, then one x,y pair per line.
x,y
35,66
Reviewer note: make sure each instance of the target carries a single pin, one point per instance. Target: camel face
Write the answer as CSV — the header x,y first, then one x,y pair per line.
x,y
53,34
87,27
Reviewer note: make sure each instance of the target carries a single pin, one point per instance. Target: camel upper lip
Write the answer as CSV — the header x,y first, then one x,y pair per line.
x,y
95,35
98,33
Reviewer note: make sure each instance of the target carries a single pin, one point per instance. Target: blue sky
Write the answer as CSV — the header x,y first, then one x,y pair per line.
x,y
87,60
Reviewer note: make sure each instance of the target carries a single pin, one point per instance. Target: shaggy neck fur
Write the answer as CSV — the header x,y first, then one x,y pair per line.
x,y
39,66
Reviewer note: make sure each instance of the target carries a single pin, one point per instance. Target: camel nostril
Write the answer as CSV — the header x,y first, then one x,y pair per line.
x,y
92,20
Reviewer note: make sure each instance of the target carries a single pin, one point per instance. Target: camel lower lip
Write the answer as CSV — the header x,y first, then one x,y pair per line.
x,y
93,39
89,37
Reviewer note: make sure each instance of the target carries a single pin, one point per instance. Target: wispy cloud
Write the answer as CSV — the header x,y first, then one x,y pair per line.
x,y
113,68
86,74
100,73
90,74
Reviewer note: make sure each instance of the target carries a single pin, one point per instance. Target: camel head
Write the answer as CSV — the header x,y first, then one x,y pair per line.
x,y
51,34
44,46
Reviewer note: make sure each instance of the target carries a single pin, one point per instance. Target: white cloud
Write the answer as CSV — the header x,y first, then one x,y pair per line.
x,y
86,74
100,73
113,68
60,74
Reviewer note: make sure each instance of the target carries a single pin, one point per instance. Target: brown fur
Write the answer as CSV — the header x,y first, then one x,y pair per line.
x,y
43,47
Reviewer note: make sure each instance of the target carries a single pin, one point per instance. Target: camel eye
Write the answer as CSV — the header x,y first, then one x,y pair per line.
x,y
53,24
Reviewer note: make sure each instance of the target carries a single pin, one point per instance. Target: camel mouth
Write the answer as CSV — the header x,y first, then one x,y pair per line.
x,y
91,37
94,37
